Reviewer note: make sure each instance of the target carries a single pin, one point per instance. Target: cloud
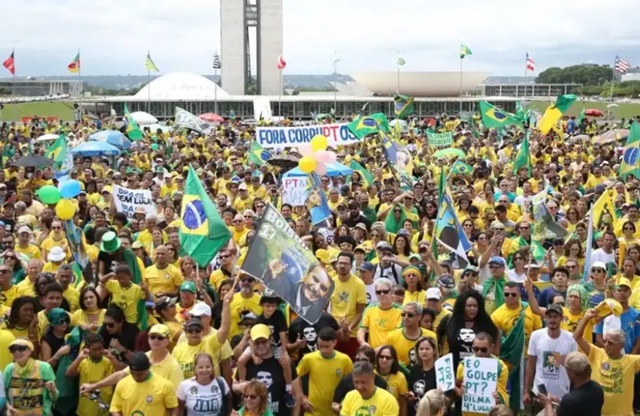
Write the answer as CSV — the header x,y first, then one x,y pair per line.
x,y
114,36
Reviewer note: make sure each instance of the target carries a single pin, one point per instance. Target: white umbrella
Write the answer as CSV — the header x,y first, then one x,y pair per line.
x,y
143,118
155,127
47,137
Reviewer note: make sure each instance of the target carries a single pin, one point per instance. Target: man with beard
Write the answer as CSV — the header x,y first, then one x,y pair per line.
x,y
243,301
33,207
548,348
269,372
355,217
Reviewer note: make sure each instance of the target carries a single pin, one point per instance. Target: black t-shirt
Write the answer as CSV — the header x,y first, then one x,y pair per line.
x,y
461,347
419,382
126,337
276,323
270,373
303,329
9,224
346,385
110,261
586,400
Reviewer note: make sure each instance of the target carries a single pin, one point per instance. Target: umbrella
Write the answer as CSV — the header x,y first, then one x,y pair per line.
x,y
284,161
402,123
211,118
451,152
593,112
611,136
33,161
114,138
47,137
94,148
143,119
154,128
333,169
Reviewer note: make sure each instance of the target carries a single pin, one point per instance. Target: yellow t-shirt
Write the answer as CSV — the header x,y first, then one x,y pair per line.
x,y
151,397
396,384
383,401
6,337
443,312
501,387
185,354
26,288
81,317
240,304
169,368
380,322
72,295
126,299
504,318
616,378
418,296
7,296
164,280
216,278
30,251
324,376
219,355
570,323
346,296
404,345
92,372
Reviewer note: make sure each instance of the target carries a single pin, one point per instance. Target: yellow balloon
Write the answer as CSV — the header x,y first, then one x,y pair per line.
x,y
307,164
319,143
65,209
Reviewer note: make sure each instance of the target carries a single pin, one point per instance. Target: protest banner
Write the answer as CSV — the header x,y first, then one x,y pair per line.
x,y
279,258
480,381
294,190
440,139
186,120
445,378
282,137
127,200
316,201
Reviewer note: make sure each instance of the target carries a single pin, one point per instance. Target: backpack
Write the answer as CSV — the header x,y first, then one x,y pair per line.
x,y
224,406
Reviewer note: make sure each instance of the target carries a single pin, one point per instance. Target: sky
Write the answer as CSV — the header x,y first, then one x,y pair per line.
x,y
366,35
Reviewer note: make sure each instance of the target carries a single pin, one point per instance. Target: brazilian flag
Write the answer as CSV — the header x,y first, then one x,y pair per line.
x,y
461,168
364,125
133,130
493,117
403,106
257,155
367,177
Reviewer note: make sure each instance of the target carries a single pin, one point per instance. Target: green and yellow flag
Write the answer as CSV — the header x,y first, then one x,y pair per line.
x,y
203,233
464,51
367,177
523,158
149,64
257,155
364,125
629,165
494,117
555,111
133,130
403,106
57,151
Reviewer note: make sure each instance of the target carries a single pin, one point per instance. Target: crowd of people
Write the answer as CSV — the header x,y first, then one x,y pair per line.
x,y
215,342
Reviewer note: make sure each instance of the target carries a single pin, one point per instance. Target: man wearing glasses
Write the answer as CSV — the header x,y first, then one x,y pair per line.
x,y
506,316
381,318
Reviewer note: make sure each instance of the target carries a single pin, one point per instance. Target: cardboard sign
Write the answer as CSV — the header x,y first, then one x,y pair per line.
x,y
445,378
127,200
480,382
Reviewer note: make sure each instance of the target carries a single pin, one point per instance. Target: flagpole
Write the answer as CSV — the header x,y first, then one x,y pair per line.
x,y
80,80
461,59
148,86
398,82
526,72
13,53
613,80
280,96
335,83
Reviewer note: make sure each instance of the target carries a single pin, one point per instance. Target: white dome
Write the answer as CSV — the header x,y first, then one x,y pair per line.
x,y
181,86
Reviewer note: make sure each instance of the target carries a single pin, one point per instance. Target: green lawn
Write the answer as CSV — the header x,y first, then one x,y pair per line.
x,y
15,112
624,110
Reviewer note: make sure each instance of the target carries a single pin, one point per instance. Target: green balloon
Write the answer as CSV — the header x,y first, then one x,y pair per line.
x,y
155,146
49,194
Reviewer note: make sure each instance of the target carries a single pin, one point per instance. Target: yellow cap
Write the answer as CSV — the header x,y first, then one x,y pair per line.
x,y
160,329
260,331
623,281
22,342
608,307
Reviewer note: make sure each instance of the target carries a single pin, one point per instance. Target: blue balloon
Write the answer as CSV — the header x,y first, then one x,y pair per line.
x,y
70,188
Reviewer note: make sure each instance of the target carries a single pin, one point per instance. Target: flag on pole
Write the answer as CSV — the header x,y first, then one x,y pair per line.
x,y
365,125
74,66
203,233
367,177
621,66
464,51
150,65
282,64
523,157
258,155
10,63
57,151
582,116
531,64
493,116
217,63
133,130
629,165
555,111
403,106
401,61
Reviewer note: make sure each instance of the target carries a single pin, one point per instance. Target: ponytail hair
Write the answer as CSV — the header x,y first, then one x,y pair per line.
x,y
431,403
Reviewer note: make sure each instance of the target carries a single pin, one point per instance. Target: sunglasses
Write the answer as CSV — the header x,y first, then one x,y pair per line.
x,y
250,396
385,357
110,324
156,337
495,266
511,294
3,271
408,314
483,350
194,330
226,256
382,292
246,280
598,270
259,206
572,267
17,348
53,228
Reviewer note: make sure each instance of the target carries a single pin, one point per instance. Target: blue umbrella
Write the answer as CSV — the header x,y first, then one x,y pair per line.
x,y
95,149
114,138
333,169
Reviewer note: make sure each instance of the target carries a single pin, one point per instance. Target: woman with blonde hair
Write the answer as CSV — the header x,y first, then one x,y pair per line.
x,y
433,403
256,402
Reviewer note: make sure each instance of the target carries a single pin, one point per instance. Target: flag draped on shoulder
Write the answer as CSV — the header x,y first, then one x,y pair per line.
x,y
403,106
493,117
555,111
629,165
133,130
362,126
258,155
203,233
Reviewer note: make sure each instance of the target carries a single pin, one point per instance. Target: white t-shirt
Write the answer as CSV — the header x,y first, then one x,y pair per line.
x,y
600,255
547,352
202,400
371,293
513,276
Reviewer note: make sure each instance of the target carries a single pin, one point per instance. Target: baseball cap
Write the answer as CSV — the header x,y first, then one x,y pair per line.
x,y
599,265
248,315
165,302
200,309
193,322
139,362
623,281
260,331
367,267
555,308
383,245
24,342
498,260
188,286
433,293
24,229
447,281
160,329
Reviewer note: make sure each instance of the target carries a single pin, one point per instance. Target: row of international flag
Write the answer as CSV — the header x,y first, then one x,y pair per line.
x,y
74,66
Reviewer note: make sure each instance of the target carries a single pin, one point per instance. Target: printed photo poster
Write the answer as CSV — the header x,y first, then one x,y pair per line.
x,y
279,258
480,380
316,201
127,200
